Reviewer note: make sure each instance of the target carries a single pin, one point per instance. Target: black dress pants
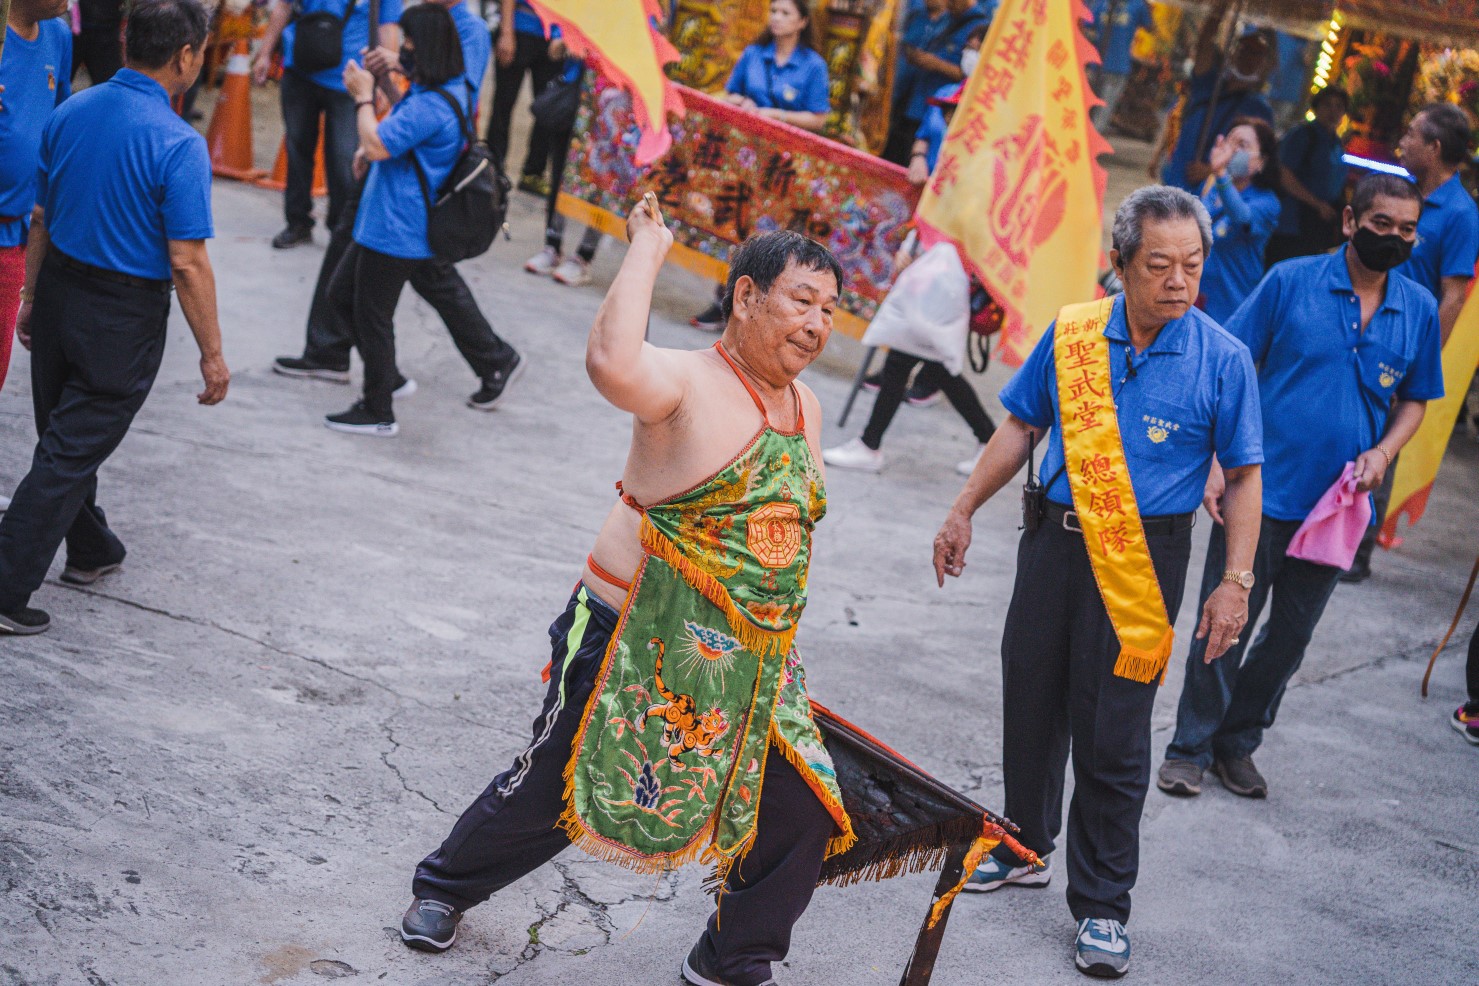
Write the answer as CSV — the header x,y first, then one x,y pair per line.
x,y
513,827
1059,691
895,383
531,57
95,350
304,104
100,49
364,292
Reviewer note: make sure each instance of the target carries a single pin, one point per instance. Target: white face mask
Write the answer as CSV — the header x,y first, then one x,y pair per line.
x,y
968,60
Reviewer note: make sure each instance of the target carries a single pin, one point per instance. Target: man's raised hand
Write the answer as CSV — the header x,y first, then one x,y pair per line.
x,y
645,223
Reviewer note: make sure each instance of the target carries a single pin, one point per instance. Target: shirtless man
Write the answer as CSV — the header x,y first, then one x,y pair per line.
x,y
720,436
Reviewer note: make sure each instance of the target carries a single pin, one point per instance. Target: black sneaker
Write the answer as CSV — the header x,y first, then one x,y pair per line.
x,y
359,421
711,319
24,621
296,366
922,396
1359,572
1241,777
292,236
698,971
430,925
75,575
496,386
873,383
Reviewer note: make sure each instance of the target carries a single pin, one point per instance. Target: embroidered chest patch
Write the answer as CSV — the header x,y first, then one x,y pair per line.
x,y
774,534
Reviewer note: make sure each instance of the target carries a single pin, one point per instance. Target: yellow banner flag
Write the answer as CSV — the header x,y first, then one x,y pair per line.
x,y
1417,466
623,42
1017,187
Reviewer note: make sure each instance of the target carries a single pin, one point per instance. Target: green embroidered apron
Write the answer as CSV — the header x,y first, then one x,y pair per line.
x,y
701,678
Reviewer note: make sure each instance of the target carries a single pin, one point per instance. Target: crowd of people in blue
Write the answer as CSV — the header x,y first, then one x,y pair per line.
x,y
1278,322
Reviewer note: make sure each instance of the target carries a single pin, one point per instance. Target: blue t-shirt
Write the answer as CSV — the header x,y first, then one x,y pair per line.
x,y
1326,386
1229,107
392,212
1131,16
944,36
1447,238
1236,263
1314,154
1290,79
121,174
37,76
526,21
477,47
356,34
799,85
1192,394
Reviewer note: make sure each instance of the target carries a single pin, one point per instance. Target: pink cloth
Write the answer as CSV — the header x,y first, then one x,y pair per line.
x,y
1332,532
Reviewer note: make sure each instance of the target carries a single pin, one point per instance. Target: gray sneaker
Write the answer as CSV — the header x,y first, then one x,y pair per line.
x,y
1180,777
1241,777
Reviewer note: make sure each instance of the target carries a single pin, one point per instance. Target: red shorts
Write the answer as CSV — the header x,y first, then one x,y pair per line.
x,y
12,279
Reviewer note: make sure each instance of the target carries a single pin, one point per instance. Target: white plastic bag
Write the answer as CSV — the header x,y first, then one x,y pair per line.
x,y
928,312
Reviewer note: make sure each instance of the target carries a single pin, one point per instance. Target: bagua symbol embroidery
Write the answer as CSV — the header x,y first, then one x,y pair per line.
x,y
685,730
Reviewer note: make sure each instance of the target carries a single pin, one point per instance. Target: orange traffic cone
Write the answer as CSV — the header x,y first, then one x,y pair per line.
x,y
230,135
279,177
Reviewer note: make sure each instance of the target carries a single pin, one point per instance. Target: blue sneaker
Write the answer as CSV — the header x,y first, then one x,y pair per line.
x,y
1102,948
994,873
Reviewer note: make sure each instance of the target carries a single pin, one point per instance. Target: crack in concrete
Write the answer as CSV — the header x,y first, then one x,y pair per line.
x,y
395,745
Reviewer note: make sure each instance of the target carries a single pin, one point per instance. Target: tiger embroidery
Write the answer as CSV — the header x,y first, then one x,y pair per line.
x,y
685,730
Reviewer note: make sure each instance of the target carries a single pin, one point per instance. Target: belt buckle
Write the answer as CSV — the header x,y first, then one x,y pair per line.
x,y
1075,529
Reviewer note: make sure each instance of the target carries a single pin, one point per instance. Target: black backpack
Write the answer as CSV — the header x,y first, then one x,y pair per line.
x,y
470,207
318,39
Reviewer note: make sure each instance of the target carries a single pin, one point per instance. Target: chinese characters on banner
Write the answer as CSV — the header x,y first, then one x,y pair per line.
x,y
730,174
1018,188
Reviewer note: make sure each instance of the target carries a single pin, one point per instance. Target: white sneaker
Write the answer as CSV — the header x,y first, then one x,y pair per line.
x,y
967,466
854,455
406,389
4,504
543,262
993,873
573,272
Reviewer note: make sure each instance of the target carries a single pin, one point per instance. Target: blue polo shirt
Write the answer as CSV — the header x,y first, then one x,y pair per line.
x,y
356,34
1447,238
943,36
1193,389
1236,263
477,47
526,21
1131,16
121,174
1229,107
799,85
392,212
1315,155
1326,386
37,76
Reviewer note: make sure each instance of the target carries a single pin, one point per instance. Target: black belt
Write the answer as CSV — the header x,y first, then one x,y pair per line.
x,y
1056,513
111,276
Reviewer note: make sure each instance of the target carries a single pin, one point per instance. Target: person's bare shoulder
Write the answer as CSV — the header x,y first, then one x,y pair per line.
x,y
811,409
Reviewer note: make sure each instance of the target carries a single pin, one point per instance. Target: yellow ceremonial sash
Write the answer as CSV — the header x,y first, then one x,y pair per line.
x,y
1099,477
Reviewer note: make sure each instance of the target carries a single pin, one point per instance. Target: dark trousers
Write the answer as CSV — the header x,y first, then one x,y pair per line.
x,y
364,291
531,57
1471,675
95,350
512,828
1226,705
1381,499
554,223
1059,691
895,383
901,135
100,49
304,103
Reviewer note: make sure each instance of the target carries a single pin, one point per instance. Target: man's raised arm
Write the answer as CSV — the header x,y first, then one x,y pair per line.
x,y
637,377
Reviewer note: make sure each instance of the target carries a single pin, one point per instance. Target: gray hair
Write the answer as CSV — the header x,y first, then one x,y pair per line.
x,y
1156,203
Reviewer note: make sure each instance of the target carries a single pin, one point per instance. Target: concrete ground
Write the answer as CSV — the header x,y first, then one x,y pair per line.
x,y
222,763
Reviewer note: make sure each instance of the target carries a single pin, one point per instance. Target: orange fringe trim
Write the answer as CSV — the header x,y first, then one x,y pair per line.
x,y
846,837
758,640
1138,664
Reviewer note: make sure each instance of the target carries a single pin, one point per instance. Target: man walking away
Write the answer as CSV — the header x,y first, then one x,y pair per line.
x,y
124,209
1348,355
314,95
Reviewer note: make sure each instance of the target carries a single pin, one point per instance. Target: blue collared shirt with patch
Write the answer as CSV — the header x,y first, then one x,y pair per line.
x,y
1192,394
799,85
1326,386
943,36
120,174
392,213
37,76
1447,238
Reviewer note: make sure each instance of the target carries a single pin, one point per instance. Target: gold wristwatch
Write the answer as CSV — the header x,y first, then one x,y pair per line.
x,y
1244,579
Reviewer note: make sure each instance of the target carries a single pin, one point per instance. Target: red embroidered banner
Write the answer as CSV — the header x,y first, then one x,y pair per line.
x,y
731,173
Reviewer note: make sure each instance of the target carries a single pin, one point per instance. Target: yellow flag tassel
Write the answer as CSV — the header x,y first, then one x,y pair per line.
x,y
1138,664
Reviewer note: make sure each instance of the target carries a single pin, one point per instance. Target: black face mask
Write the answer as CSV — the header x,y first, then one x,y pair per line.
x,y
408,63
1380,252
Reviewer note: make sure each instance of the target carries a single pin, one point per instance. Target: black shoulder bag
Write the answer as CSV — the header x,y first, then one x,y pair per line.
x,y
318,39
470,207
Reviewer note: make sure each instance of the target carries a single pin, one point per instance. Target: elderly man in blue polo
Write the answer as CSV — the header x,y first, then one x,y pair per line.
x,y
1135,394
1348,356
